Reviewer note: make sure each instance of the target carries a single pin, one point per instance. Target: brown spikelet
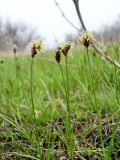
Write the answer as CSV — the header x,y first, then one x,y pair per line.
x,y
14,48
86,38
36,46
33,51
86,42
58,55
66,49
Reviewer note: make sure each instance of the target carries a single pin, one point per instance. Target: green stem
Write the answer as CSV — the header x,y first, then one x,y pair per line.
x,y
116,51
68,110
15,59
31,85
63,79
66,87
18,75
92,84
92,80
33,108
1,85
67,98
116,88
111,145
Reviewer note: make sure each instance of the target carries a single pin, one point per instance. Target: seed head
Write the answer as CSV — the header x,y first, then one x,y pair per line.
x,y
86,38
65,47
14,48
36,46
58,54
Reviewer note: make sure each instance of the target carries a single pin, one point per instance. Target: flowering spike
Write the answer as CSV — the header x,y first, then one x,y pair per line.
x,y
35,45
58,54
65,47
86,38
14,48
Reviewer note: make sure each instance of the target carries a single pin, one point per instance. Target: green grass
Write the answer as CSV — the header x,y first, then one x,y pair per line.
x,y
96,130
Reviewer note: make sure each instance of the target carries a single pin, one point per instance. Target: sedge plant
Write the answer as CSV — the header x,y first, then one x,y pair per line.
x,y
17,67
18,74
1,84
14,49
86,39
64,49
36,46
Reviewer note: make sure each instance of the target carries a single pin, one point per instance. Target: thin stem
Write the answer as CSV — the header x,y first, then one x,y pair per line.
x,y
15,59
76,3
66,87
68,109
92,79
110,148
31,85
116,80
33,108
18,75
95,97
116,89
1,85
116,50
67,98
63,79
63,15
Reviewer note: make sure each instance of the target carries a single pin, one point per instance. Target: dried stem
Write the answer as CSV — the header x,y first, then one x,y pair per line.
x,y
103,54
76,3
65,17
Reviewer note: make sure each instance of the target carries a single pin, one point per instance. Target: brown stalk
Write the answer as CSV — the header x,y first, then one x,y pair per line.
x,y
65,17
96,46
